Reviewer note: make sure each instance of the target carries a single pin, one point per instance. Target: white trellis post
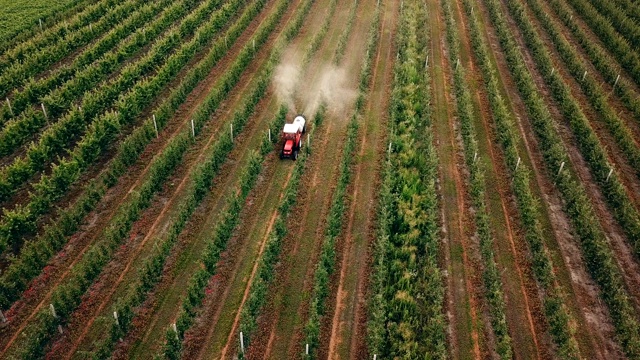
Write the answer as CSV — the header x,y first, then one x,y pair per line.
x,y
306,351
269,134
609,175
53,310
4,319
616,82
561,167
60,329
375,356
44,111
193,129
241,342
231,131
389,151
254,45
40,20
91,27
10,109
155,125
308,140
475,157
518,163
426,62
115,316
175,330
584,75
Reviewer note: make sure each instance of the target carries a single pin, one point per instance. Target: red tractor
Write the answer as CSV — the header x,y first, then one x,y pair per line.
x,y
292,137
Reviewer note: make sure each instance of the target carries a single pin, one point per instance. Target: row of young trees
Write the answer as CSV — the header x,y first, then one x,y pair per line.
x,y
598,256
57,96
593,90
67,297
599,57
95,103
216,242
103,131
592,150
53,24
561,324
477,189
335,219
75,18
618,46
34,62
201,180
407,315
36,254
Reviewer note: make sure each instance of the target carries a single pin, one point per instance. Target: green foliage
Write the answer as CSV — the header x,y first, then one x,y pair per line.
x,y
587,140
597,254
409,320
103,130
34,62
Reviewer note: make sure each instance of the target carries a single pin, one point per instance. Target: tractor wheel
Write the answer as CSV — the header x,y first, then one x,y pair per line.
x,y
304,128
281,155
295,155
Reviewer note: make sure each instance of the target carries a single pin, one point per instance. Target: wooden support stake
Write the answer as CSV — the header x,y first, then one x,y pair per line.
x,y
561,167
53,310
193,129
241,342
10,109
609,175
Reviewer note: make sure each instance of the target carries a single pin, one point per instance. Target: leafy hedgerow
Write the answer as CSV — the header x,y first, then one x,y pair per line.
x,y
407,315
